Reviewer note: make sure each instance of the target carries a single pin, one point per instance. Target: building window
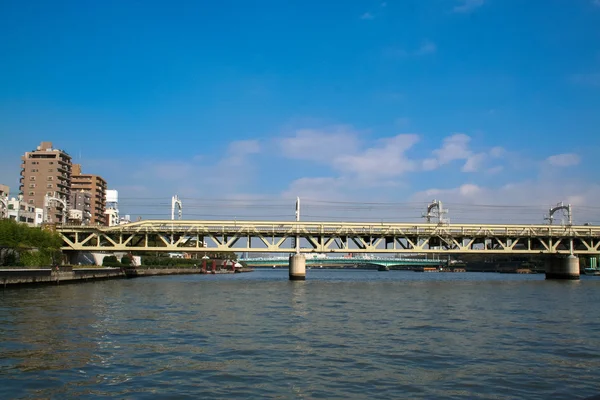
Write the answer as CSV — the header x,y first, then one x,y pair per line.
x,y
50,178
49,185
30,201
51,170
49,193
32,193
32,178
32,185
51,162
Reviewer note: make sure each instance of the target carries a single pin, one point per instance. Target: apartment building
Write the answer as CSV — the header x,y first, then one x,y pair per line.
x,y
47,171
80,207
96,186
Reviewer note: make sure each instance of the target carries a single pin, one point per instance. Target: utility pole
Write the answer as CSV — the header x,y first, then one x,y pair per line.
x,y
435,209
175,202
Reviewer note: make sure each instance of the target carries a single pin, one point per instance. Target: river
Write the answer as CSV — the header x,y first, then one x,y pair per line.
x,y
341,334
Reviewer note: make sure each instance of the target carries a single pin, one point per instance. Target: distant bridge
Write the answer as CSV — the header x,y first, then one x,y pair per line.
x,y
331,261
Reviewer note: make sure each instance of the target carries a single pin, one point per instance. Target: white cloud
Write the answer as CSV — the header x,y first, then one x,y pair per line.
x,y
495,170
469,190
564,160
468,5
385,160
367,15
321,145
456,147
430,164
321,188
474,162
497,152
244,147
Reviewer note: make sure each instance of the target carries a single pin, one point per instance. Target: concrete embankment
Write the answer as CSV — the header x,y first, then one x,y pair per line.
x,y
66,274
38,276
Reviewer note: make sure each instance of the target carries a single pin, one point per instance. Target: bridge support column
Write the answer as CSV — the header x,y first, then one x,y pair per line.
x,y
297,267
203,266
562,267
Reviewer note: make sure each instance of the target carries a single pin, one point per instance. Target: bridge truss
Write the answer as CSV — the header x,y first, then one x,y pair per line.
x,y
331,237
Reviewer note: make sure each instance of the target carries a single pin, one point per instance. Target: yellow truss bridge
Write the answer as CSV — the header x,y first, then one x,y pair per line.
x,y
331,237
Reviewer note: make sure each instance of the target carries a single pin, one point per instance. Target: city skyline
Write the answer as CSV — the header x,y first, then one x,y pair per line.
x,y
471,102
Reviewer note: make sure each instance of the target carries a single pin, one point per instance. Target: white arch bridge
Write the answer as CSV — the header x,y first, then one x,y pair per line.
x,y
332,237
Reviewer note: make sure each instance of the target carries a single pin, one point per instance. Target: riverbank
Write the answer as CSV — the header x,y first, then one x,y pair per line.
x,y
67,274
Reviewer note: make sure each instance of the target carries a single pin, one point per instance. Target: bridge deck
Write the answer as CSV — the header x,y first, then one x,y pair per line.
x,y
332,237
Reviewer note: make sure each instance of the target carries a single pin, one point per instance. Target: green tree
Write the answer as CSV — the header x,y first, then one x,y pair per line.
x,y
28,246
111,261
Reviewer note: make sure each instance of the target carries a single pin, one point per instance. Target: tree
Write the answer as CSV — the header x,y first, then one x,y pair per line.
x,y
110,261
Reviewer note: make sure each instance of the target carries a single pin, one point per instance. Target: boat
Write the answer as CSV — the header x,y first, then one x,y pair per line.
x,y
383,268
592,271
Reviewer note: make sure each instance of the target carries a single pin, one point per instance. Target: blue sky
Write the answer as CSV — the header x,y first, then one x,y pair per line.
x,y
468,101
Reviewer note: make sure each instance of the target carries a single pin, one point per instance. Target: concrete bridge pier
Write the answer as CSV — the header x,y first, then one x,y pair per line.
x,y
562,267
297,267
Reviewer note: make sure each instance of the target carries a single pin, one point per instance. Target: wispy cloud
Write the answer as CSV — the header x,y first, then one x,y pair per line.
x,y
386,159
320,145
586,79
456,147
468,6
426,48
596,3
564,160
367,15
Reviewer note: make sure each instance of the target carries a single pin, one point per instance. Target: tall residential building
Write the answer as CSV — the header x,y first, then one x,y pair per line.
x,y
46,171
94,185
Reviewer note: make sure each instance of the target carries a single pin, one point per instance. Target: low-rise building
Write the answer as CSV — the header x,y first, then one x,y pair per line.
x,y
112,208
4,191
21,211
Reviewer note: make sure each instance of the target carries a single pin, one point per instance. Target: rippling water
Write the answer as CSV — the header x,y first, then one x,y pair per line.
x,y
340,334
